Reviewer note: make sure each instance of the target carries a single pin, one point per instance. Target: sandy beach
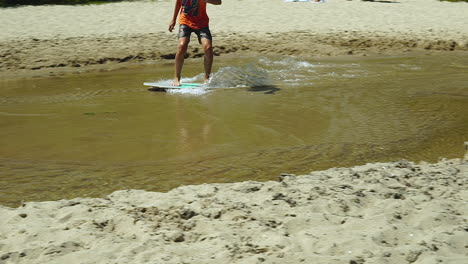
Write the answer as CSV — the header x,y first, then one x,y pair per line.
x,y
396,212
44,40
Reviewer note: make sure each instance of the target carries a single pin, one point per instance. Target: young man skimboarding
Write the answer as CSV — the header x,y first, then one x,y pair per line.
x,y
192,18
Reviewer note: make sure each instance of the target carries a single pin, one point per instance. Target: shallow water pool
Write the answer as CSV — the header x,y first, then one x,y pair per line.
x,y
90,134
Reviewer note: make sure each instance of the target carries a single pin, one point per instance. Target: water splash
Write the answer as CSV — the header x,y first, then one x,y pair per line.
x,y
268,72
233,77
189,91
287,63
226,77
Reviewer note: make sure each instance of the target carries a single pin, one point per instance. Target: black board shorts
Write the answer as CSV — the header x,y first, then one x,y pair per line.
x,y
185,32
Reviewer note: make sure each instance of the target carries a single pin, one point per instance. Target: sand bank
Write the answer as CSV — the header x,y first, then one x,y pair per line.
x,y
398,212
40,40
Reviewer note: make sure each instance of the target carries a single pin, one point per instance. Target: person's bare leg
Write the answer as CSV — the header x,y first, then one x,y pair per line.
x,y
208,59
179,59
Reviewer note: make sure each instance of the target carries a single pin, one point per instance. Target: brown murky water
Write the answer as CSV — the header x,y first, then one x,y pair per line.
x,y
91,134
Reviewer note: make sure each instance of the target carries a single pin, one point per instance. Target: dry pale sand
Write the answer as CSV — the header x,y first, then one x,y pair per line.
x,y
48,39
377,213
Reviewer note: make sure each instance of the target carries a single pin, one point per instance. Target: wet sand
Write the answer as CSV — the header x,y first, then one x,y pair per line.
x,y
42,41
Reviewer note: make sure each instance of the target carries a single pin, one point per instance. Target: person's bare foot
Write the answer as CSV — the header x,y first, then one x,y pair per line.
x,y
176,82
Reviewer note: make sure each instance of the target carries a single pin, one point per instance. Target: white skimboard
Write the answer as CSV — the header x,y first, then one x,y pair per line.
x,y
165,85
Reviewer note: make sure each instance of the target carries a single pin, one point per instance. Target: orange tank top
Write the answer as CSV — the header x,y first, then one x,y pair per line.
x,y
193,14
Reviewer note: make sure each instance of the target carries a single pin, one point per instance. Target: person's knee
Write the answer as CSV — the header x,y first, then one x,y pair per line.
x,y
183,46
207,47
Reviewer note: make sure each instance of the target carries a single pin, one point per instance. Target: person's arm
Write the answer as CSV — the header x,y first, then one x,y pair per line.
x,y
213,2
174,16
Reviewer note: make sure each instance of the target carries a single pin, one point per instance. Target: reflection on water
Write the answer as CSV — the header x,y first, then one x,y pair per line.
x,y
91,134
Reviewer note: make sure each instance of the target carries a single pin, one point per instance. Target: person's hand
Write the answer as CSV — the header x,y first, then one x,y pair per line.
x,y
171,25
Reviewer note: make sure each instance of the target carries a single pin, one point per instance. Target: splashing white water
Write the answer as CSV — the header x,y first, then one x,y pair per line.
x,y
266,72
233,77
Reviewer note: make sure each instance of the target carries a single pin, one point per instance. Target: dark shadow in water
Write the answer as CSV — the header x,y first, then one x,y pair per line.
x,y
156,89
268,89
